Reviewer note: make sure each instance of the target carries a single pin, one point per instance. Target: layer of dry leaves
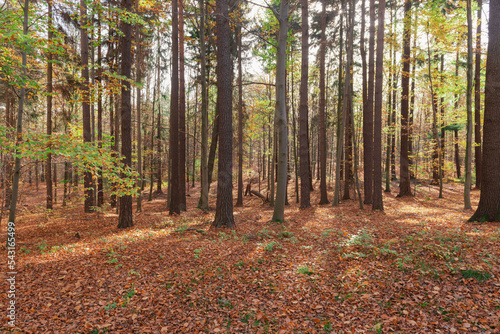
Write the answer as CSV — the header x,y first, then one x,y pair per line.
x,y
326,270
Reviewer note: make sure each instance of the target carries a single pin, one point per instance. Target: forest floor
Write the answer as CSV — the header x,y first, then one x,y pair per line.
x,y
418,267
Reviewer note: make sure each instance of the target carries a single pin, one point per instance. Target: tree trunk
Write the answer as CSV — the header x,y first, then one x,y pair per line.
x,y
87,134
404,171
174,115
48,168
280,115
139,118
239,201
19,131
322,107
489,202
368,112
182,113
477,99
100,180
377,128
224,207
468,149
125,212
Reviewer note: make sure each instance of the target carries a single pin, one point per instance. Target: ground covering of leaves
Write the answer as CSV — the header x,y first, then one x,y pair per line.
x,y
418,267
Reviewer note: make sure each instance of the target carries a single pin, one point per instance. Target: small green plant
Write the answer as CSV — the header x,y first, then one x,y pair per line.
x,y
25,250
306,247
42,247
181,229
224,303
327,327
305,271
223,236
476,274
110,306
197,252
240,264
264,233
286,234
54,249
270,246
133,272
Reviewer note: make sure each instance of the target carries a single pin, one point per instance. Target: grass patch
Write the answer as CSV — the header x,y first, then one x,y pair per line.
x,y
480,276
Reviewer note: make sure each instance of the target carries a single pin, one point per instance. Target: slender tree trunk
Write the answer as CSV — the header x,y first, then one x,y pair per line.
x,y
224,207
159,179
412,101
87,134
239,201
477,98
19,129
203,203
100,180
404,172
368,112
48,168
125,213
139,118
322,111
182,113
377,128
174,115
468,150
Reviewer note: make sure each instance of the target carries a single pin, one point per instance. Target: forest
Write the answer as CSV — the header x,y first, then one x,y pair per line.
x,y
237,166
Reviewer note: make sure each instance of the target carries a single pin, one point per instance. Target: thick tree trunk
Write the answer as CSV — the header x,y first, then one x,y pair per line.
x,y
174,115
125,213
224,207
280,115
377,128
404,171
139,118
489,202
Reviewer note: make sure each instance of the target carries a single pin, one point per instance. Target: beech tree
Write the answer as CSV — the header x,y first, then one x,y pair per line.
x,y
174,115
489,202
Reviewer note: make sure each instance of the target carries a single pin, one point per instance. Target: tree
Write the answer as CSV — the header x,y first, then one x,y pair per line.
x,y
489,202
20,110
477,98
377,126
203,203
280,114
305,201
224,207
368,112
125,214
322,106
239,200
48,168
468,149
182,114
174,115
404,171
87,134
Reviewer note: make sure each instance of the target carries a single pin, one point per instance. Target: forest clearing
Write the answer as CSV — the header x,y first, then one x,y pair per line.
x,y
418,267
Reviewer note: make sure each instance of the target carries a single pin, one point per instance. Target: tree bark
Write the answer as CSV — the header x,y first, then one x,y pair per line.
x,y
305,201
224,207
489,202
368,112
174,115
477,98
468,149
404,171
87,134
377,128
322,107
182,113
48,168
280,115
239,201
125,213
